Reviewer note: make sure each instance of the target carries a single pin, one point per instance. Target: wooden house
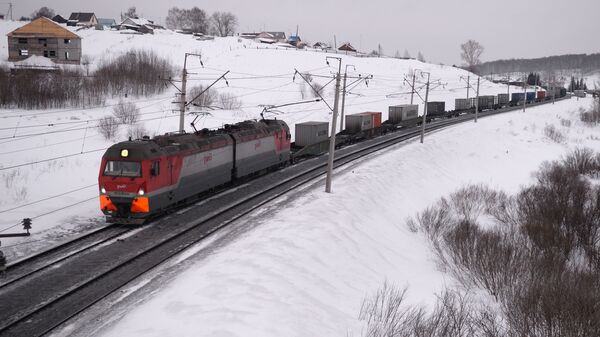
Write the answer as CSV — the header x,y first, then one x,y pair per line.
x,y
44,37
141,25
82,19
59,19
347,47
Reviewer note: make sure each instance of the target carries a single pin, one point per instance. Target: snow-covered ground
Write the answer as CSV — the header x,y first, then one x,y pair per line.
x,y
302,266
64,191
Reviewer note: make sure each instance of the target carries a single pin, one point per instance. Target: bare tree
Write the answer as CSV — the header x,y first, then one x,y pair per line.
x,y
223,23
196,20
471,51
108,127
126,112
43,11
174,18
130,13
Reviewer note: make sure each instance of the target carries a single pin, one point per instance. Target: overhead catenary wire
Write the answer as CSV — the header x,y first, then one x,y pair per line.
x,y
48,198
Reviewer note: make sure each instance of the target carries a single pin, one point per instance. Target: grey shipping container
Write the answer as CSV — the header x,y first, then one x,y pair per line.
x,y
400,113
309,133
436,107
462,104
485,102
579,93
358,122
503,99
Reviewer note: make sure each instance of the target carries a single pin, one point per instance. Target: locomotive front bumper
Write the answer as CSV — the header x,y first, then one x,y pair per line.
x,y
125,210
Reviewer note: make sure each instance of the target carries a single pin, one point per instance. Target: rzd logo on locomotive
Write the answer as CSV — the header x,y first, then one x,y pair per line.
x,y
120,187
257,145
208,158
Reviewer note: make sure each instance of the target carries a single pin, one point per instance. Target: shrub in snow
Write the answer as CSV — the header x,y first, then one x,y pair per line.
x,y
553,133
126,112
229,102
317,89
592,116
540,260
386,314
108,127
207,100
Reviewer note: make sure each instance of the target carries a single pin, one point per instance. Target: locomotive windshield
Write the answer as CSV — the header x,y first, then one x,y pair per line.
x,y
123,168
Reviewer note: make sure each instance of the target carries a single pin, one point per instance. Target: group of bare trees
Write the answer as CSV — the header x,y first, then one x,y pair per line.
x,y
538,254
196,20
43,11
138,73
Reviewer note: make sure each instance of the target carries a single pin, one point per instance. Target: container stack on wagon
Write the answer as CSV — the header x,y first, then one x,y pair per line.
x,y
363,121
485,102
403,115
436,110
312,138
579,93
503,99
463,104
541,95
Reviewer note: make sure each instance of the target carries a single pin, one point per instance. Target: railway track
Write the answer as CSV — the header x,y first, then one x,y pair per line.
x,y
28,267
36,305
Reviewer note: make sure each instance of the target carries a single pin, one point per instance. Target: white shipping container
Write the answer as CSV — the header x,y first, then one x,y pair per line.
x,y
359,122
400,113
309,133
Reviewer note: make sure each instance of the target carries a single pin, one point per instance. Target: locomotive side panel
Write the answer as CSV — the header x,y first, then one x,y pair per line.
x,y
255,155
203,171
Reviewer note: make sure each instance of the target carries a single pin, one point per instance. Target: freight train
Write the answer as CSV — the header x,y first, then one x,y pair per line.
x,y
493,102
145,177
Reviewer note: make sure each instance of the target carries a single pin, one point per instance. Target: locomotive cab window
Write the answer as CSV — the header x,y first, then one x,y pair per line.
x,y
155,169
123,169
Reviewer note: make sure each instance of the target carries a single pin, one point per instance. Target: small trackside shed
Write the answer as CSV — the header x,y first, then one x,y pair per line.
x,y
44,37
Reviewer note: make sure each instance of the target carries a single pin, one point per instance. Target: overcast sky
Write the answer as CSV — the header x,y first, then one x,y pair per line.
x,y
506,28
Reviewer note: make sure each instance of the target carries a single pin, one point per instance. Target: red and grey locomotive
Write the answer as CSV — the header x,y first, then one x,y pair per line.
x,y
139,178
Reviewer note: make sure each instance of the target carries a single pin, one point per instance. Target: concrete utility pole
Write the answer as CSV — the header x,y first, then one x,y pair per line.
x,y
468,84
425,109
182,102
477,100
333,125
412,93
344,95
524,95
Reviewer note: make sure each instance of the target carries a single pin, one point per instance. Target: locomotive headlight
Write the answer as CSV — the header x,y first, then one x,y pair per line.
x,y
141,191
103,190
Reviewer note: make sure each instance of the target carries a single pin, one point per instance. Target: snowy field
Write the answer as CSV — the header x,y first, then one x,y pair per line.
x,y
303,265
61,195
